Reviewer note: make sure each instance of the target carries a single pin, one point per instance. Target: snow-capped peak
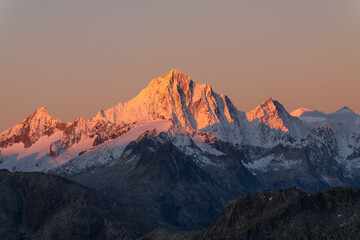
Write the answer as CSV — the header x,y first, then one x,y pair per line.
x,y
40,114
298,112
344,112
275,117
173,96
41,110
270,113
176,75
37,124
177,105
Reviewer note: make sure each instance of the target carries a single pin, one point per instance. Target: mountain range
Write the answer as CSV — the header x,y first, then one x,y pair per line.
x,y
178,152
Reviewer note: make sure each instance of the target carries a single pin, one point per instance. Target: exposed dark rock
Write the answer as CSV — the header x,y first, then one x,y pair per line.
x,y
104,131
309,167
286,214
42,206
167,188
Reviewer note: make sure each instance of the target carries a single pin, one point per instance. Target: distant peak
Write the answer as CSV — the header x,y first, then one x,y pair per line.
x,y
298,112
41,112
267,107
176,75
271,113
345,110
41,109
176,71
270,99
172,79
272,103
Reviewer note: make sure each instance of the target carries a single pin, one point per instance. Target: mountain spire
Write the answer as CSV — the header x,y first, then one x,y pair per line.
x,y
176,76
41,112
344,111
270,113
173,96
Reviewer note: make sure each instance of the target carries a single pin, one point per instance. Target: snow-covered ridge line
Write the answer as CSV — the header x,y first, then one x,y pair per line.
x,y
190,108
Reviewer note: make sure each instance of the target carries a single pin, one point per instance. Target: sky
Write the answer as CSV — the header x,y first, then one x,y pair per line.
x,y
78,56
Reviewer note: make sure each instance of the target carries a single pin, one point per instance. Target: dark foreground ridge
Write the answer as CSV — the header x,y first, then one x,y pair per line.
x,y
42,206
286,214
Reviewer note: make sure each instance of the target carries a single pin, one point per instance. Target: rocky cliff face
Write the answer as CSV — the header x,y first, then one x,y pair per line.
x,y
39,142
38,124
175,96
286,214
165,187
272,124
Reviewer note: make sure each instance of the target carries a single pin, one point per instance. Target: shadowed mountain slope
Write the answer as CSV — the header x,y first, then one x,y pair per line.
x,y
42,206
286,214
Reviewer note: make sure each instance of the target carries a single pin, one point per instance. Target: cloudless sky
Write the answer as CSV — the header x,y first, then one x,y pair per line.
x,y
78,56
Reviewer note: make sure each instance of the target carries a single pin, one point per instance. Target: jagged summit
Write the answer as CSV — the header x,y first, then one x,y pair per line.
x,y
173,104
175,97
270,105
40,113
28,131
174,77
175,80
268,101
41,110
344,111
177,74
274,116
270,113
172,96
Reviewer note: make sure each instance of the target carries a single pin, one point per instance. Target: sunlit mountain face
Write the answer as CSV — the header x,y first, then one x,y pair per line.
x,y
175,104
178,139
172,103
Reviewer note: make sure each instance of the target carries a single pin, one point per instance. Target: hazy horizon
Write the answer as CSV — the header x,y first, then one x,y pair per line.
x,y
77,57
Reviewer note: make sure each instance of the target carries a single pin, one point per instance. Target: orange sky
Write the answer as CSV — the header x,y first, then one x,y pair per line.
x,y
76,57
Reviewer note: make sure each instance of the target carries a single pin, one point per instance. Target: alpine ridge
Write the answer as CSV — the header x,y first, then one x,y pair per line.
x,y
174,95
193,109
28,131
179,143
272,115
